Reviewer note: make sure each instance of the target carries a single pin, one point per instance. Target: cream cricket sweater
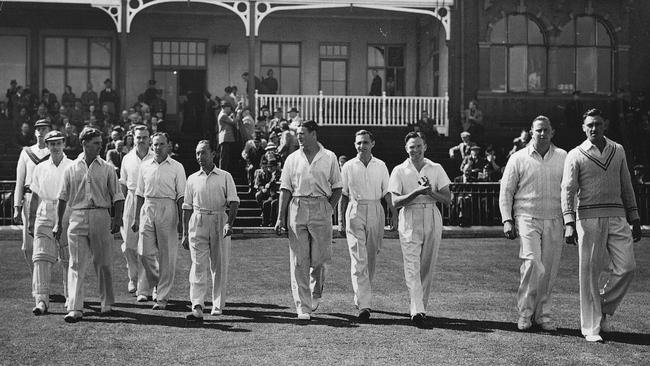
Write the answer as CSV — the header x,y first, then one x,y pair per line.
x,y
601,182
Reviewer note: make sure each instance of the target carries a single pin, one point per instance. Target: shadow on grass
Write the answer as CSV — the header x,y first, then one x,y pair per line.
x,y
268,314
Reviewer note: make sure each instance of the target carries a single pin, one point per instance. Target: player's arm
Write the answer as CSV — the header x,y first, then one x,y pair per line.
x,y
33,205
283,205
335,197
442,195
233,207
139,201
343,206
402,200
509,183
187,214
569,189
58,226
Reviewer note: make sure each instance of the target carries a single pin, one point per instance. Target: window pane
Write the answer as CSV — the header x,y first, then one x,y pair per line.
x,y
200,60
396,56
518,61
338,88
78,79
54,48
165,59
53,80
100,52
166,47
534,33
157,59
344,50
175,61
77,51
157,47
497,68
323,50
338,72
290,54
192,60
586,69
604,70
183,61
536,68
290,80
183,47
13,64
200,47
370,77
175,47
585,33
395,81
376,56
603,35
326,70
517,29
567,35
498,33
192,47
270,53
97,77
561,69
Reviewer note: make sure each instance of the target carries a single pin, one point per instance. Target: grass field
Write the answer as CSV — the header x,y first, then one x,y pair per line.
x,y
472,305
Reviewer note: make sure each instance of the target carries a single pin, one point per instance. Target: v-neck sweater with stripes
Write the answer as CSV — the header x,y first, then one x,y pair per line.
x,y
600,180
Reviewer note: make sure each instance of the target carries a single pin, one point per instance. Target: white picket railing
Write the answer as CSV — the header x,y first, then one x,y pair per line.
x,y
355,110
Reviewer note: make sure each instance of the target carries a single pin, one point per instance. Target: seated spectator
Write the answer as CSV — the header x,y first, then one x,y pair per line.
x,y
261,177
49,100
426,126
638,176
520,142
116,134
68,98
91,111
277,119
72,143
271,152
115,155
129,142
41,113
58,122
76,114
106,116
25,137
89,96
472,119
491,170
263,119
472,165
294,119
252,154
5,120
21,117
463,149
247,126
269,192
124,120
288,141
274,137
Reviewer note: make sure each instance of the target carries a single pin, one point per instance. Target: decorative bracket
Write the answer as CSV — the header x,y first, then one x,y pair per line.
x,y
115,12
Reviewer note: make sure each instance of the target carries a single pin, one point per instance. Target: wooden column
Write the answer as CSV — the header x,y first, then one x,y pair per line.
x,y
251,57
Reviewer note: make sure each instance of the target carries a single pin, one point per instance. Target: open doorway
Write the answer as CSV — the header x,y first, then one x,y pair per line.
x,y
183,91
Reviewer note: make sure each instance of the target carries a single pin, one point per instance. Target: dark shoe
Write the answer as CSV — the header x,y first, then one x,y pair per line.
x,y
419,320
364,315
73,317
40,309
196,315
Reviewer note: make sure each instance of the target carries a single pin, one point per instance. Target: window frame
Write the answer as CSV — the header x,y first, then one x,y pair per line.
x,y
155,67
277,68
385,68
345,59
66,66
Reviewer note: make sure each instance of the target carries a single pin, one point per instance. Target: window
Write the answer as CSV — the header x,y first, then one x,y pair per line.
x,y
517,55
386,62
333,68
284,59
76,61
580,58
13,64
179,53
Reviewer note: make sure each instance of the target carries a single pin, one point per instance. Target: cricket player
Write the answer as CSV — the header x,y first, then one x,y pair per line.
x,y
207,229
530,188
416,186
47,179
365,182
90,188
310,188
131,163
596,172
160,190
29,158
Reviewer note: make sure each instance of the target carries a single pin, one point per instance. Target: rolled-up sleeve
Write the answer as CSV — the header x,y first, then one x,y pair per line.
x,y
345,180
395,182
569,187
188,200
335,173
180,181
64,193
139,190
384,180
231,189
114,186
285,177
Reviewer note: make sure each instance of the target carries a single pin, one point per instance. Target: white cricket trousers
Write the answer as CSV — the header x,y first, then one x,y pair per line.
x,y
158,244
209,250
89,236
596,238
420,234
134,266
540,251
47,251
310,248
364,231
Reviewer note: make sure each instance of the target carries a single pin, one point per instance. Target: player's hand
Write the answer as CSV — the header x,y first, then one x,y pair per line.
x,y
570,235
57,232
17,215
510,230
393,223
227,230
116,224
280,228
636,230
185,242
135,225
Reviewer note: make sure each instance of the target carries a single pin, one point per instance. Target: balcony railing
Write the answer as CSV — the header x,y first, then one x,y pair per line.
x,y
355,110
